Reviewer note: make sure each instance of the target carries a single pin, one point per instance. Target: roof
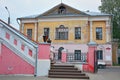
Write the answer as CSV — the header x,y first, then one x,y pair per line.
x,y
96,13
80,13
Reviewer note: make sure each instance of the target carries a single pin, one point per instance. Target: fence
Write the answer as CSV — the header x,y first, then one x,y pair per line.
x,y
72,57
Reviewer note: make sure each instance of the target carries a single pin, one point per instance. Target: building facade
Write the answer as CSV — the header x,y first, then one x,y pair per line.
x,y
71,29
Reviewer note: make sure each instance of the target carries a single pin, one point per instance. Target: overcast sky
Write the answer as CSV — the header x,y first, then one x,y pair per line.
x,y
21,8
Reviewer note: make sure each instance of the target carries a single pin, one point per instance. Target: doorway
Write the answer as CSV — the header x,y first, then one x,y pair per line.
x,y
60,53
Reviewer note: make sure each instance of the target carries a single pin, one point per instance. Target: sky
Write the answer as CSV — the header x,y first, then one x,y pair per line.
x,y
21,8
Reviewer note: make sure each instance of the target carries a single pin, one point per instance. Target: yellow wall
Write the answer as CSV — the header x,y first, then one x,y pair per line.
x,y
71,26
99,24
29,26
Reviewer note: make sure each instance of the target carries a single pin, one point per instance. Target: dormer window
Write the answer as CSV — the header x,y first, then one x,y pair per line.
x,y
61,10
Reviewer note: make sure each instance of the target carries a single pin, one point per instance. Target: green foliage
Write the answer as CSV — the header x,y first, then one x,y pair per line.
x,y
112,7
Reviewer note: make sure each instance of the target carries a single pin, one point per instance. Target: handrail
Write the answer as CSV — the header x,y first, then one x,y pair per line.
x,y
18,33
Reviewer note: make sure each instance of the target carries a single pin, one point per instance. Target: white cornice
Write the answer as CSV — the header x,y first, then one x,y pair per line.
x,y
99,18
88,18
29,20
62,19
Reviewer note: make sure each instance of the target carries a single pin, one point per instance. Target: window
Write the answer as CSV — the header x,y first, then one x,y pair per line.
x,y
62,33
99,54
29,33
61,10
77,33
46,31
99,33
77,55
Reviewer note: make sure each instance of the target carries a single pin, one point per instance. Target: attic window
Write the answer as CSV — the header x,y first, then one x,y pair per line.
x,y
61,10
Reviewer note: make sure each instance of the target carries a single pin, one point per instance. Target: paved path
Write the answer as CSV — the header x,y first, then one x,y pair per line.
x,y
110,73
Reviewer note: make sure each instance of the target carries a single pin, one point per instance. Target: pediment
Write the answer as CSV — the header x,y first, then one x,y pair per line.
x,y
62,9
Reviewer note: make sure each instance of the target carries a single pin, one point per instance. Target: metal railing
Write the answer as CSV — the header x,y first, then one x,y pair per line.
x,y
71,57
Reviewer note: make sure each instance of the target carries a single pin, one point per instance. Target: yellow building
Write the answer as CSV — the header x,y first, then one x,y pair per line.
x,y
71,29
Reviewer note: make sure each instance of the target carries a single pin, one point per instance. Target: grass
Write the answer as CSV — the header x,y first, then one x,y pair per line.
x,y
116,64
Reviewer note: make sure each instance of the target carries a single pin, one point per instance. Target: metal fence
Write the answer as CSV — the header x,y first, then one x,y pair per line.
x,y
71,57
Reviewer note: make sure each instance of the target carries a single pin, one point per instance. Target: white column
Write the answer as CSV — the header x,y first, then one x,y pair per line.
x,y
11,41
91,37
22,28
35,32
19,45
107,31
43,66
26,50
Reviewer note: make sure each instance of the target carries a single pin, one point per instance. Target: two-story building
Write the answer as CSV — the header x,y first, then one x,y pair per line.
x,y
71,29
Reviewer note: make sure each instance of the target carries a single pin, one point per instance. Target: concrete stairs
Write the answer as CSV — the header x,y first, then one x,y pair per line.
x,y
66,71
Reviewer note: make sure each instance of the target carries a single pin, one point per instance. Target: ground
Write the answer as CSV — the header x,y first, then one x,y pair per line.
x,y
110,73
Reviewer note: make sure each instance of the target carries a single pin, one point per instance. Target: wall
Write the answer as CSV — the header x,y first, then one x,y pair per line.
x,y
114,52
99,24
71,47
30,26
10,63
43,64
107,53
71,24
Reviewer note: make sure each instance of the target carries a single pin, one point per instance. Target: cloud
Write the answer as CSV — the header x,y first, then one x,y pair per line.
x,y
19,8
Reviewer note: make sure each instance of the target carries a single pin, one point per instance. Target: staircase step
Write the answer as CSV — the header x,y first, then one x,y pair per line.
x,y
68,76
66,73
62,70
65,68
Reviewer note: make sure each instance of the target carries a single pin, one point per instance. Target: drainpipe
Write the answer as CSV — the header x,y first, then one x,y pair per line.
x,y
36,61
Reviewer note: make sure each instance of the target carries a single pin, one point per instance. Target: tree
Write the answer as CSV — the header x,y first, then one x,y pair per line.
x,y
112,7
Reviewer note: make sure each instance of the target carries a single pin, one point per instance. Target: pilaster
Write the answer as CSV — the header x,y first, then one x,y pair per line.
x,y
91,36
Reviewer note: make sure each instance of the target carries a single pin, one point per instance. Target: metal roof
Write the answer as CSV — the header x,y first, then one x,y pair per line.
x,y
87,13
96,13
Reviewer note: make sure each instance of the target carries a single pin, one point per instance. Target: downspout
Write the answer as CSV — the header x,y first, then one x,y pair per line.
x,y
37,33
36,61
18,22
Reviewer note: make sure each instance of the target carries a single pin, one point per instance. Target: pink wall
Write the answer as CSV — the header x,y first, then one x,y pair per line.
x,y
72,47
91,59
44,51
10,63
89,66
64,57
107,53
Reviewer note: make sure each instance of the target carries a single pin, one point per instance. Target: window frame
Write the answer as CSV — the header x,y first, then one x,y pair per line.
x,y
77,54
29,36
76,33
62,10
46,33
61,33
100,54
99,35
